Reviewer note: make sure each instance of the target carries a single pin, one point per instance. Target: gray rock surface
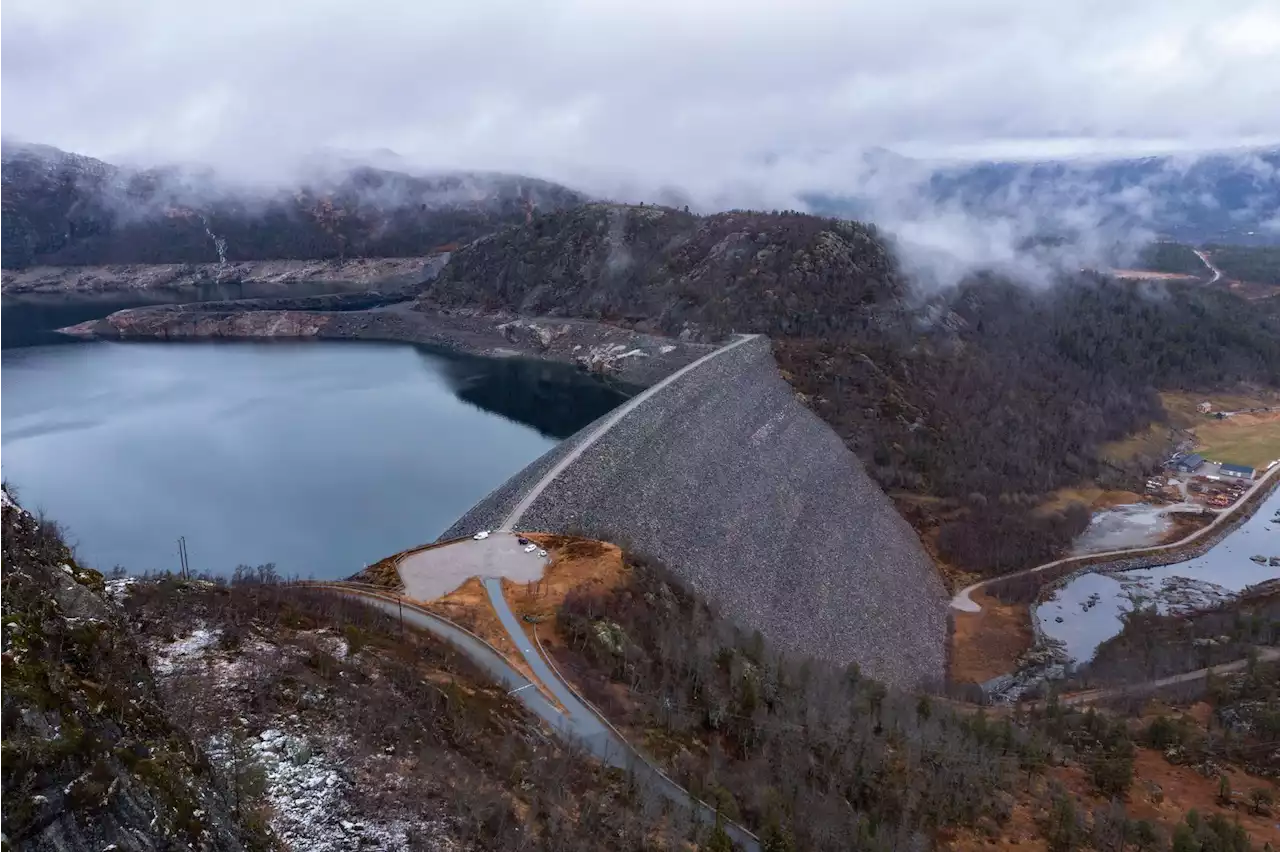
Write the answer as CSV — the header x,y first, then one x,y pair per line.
x,y
630,356
732,483
92,761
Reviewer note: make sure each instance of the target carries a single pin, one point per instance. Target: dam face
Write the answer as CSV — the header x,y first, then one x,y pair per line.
x,y
727,479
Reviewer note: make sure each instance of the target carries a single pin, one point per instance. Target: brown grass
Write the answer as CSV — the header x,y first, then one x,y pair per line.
x,y
988,643
1250,439
1183,524
469,606
1090,495
575,563
1183,414
1155,440
1150,275
382,574
1181,789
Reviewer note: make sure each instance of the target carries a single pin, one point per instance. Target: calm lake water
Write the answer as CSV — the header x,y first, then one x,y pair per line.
x,y
317,456
1092,606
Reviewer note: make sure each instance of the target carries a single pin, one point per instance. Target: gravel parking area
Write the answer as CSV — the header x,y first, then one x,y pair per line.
x,y
727,479
429,574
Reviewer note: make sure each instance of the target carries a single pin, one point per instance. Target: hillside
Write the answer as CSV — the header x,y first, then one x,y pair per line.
x,y
91,760
66,209
1225,196
979,400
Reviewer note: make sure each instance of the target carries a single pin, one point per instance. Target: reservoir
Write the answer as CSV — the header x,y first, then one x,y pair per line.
x,y
319,457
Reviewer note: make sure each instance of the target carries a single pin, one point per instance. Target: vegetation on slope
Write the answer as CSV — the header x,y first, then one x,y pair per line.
x,y
66,209
986,397
91,759
816,757
1255,264
426,751
1176,258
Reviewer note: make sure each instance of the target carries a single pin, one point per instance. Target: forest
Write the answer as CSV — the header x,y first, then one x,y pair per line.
x,y
1176,258
1256,264
164,699
986,396
817,757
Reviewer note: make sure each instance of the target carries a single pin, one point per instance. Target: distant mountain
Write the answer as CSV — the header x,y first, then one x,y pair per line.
x,y
66,209
1231,197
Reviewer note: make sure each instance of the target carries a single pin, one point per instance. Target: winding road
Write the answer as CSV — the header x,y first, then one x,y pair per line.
x,y
1204,258
964,603
579,724
622,411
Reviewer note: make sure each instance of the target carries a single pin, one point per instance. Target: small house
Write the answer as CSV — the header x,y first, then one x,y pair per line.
x,y
1204,407
1189,463
1237,471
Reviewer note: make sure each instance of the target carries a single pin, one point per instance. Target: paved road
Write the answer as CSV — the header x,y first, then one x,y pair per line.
x,y
1264,655
476,649
578,724
622,411
593,731
1204,258
963,602
586,726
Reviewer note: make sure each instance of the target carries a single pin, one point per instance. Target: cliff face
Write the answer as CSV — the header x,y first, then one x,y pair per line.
x,y
90,760
67,209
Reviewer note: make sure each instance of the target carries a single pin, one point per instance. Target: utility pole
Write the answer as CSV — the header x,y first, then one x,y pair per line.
x,y
182,557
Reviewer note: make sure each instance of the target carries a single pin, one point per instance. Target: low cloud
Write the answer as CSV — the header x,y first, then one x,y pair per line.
x,y
713,104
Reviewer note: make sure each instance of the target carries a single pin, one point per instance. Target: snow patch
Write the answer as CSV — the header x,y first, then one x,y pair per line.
x,y
184,651
310,799
118,589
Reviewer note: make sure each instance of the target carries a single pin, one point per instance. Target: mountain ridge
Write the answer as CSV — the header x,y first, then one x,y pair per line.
x,y
68,209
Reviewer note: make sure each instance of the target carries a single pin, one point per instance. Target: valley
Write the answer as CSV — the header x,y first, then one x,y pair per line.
x,y
759,458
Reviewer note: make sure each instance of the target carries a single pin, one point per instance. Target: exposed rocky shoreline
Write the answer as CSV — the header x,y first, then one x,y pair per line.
x,y
187,282
627,355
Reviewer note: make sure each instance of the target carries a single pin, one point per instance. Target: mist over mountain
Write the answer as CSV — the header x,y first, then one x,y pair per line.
x,y
66,209
1034,220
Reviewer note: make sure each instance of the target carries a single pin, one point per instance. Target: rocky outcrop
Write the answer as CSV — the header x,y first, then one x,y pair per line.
x,y
624,354
729,481
191,282
91,761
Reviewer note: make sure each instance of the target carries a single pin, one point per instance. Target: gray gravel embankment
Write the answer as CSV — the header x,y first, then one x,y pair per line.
x,y
726,478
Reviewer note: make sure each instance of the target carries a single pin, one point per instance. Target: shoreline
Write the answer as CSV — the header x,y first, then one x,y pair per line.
x,y
1040,652
610,351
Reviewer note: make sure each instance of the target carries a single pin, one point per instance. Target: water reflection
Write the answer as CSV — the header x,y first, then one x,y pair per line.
x,y
555,399
317,456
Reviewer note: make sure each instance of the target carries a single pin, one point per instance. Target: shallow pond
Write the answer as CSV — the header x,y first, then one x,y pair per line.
x,y
1123,527
1088,610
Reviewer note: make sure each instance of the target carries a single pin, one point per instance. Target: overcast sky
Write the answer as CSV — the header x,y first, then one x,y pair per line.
x,y
659,92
